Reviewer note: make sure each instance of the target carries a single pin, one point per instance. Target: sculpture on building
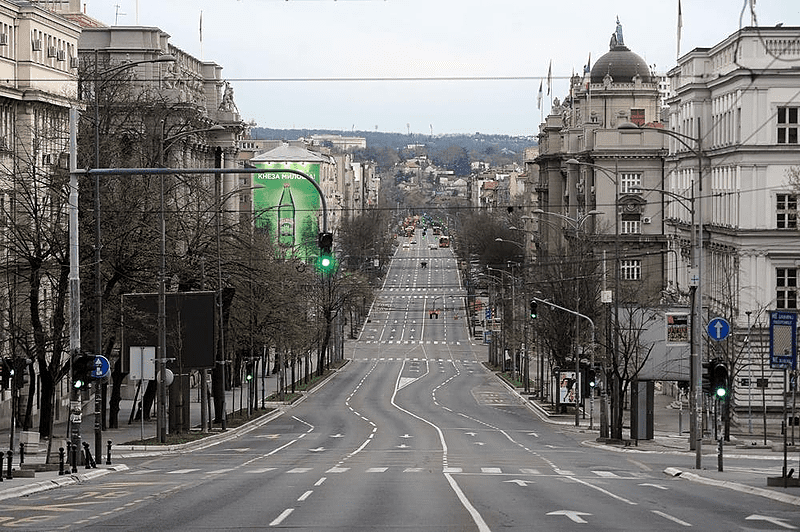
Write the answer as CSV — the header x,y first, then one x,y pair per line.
x,y
227,100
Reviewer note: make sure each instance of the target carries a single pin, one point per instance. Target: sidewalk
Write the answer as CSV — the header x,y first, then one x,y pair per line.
x,y
35,476
766,460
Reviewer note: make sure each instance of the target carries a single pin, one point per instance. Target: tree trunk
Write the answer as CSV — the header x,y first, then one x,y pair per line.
x,y
46,406
616,407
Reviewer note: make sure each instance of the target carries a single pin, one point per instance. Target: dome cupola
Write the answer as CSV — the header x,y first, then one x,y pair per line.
x,y
620,63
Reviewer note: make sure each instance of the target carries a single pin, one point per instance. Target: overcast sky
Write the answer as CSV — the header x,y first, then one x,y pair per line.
x,y
289,60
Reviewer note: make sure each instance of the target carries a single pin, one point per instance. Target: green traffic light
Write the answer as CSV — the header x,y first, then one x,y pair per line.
x,y
721,392
326,262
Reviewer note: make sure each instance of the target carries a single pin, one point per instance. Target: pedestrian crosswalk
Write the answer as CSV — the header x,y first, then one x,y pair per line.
x,y
473,470
406,342
414,359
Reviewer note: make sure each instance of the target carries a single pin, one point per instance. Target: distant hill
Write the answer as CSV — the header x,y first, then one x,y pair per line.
x,y
479,146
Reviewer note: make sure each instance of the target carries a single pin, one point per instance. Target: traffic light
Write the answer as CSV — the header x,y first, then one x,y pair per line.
x,y
591,377
719,380
534,313
249,370
6,371
82,368
325,243
706,376
325,262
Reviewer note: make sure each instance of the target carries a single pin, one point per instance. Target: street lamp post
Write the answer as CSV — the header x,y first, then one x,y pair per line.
x,y
98,286
162,272
696,386
576,224
614,177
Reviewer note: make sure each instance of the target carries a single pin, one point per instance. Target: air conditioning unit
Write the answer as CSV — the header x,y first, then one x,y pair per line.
x,y
36,45
73,62
51,51
3,39
647,220
61,55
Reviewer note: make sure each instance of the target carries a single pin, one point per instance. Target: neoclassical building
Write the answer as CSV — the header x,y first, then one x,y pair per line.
x,y
641,179
593,175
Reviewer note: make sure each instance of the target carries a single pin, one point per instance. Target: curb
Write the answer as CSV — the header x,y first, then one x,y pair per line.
x,y
60,481
735,486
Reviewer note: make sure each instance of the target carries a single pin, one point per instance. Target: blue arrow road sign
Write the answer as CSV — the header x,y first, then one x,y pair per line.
x,y
101,367
718,329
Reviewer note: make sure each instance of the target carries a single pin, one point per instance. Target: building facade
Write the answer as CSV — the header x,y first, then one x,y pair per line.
x,y
739,101
593,176
39,82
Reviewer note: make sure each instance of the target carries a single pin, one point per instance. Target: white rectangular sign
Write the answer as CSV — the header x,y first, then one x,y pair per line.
x,y
142,363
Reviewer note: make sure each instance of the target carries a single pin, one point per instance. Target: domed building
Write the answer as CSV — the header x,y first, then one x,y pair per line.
x,y
620,88
593,174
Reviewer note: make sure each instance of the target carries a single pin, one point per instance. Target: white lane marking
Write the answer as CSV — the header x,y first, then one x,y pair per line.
x,y
491,470
671,518
181,471
377,469
278,520
219,471
304,496
300,470
574,516
601,490
605,474
520,482
773,520
320,481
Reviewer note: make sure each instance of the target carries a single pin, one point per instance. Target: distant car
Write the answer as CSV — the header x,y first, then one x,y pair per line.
x,y
434,246
405,245
413,241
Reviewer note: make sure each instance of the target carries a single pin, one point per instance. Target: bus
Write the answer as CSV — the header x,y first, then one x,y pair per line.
x,y
444,242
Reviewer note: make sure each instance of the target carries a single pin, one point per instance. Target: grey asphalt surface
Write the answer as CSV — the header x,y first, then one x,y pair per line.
x,y
667,442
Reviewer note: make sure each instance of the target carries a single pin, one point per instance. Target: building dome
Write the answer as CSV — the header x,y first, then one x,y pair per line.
x,y
620,63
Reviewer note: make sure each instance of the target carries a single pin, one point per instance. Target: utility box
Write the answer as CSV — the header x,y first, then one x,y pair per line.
x,y
642,399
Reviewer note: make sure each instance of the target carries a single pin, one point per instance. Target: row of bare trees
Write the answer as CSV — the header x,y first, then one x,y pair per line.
x,y
269,301
570,276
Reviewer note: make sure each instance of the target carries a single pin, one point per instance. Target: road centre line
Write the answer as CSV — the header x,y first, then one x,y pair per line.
x,y
476,516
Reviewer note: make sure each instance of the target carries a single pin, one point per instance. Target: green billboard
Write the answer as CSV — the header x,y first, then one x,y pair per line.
x,y
287,207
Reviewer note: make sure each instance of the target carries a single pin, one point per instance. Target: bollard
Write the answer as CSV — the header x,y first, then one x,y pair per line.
x,y
108,454
73,456
87,456
719,456
60,461
21,453
9,472
2,454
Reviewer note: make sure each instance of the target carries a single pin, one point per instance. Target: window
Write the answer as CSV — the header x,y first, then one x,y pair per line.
x,y
630,183
630,270
631,225
786,211
787,125
786,288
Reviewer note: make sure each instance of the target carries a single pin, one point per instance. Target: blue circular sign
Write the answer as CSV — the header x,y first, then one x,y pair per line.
x,y
101,367
718,329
